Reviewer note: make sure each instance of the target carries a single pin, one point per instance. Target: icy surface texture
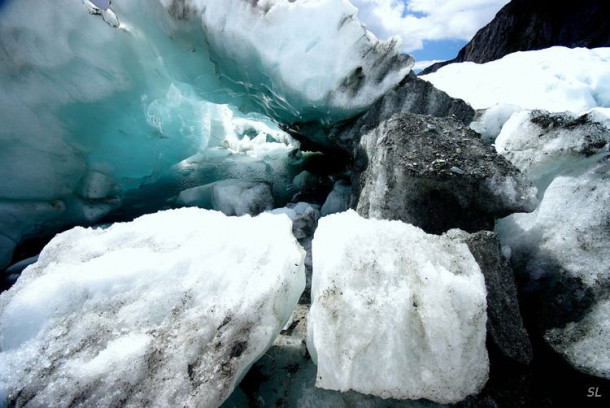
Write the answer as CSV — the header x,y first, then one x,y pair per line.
x,y
94,113
91,113
400,317
300,60
556,79
490,121
168,310
437,174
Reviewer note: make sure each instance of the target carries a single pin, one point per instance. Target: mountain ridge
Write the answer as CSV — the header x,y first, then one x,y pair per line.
x,y
524,25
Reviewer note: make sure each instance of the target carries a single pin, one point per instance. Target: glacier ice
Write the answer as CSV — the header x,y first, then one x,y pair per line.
x,y
401,317
170,309
312,59
181,95
490,122
556,79
569,228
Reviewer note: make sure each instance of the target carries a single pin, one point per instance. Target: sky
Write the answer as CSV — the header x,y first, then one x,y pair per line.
x,y
431,30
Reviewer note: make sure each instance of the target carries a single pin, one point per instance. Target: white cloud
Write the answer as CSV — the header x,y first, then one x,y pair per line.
x,y
417,20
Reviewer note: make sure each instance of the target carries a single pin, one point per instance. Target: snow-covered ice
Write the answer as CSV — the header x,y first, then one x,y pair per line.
x,y
556,79
396,312
168,310
490,123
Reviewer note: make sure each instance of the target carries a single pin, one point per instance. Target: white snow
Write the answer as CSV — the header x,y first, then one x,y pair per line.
x,y
168,310
556,79
396,312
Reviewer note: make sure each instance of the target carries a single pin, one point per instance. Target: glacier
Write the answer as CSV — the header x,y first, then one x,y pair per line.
x,y
256,110
184,93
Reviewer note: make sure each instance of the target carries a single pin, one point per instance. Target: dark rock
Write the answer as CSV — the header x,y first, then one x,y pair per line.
x,y
412,95
437,174
504,325
524,25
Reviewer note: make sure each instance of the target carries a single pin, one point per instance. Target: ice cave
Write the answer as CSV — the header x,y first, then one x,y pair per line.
x,y
241,203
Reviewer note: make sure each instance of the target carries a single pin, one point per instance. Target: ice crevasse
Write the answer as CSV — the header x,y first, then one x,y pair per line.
x,y
184,93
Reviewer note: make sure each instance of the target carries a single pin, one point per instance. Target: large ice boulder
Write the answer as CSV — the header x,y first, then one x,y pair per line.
x,y
396,312
586,344
437,174
168,310
561,252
